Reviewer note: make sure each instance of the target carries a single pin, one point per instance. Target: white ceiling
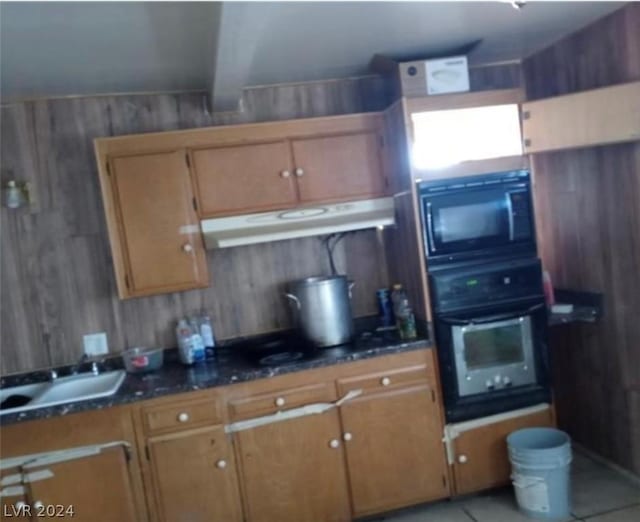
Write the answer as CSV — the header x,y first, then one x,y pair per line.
x,y
57,49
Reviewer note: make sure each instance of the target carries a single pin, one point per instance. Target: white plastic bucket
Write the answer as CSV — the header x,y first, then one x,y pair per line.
x,y
540,462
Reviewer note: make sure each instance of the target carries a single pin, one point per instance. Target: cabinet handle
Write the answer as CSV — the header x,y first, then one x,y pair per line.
x,y
462,459
285,174
334,443
299,172
38,505
347,437
221,464
187,248
385,381
183,417
280,401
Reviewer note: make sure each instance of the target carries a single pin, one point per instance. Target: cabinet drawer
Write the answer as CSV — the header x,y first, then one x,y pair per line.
x,y
268,403
380,381
186,414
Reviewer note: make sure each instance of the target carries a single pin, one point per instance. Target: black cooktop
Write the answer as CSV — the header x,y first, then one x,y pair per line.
x,y
284,348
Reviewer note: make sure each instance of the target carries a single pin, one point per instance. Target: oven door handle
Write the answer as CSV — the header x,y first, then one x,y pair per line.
x,y
492,318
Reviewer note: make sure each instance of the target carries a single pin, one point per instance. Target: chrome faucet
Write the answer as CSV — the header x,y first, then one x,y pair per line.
x,y
76,367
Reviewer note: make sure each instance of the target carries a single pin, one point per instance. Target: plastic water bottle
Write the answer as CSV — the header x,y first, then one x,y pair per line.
x,y
196,340
405,319
206,331
185,342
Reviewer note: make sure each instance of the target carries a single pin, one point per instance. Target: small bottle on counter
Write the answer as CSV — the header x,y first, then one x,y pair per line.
x,y
405,319
185,342
385,307
206,331
198,343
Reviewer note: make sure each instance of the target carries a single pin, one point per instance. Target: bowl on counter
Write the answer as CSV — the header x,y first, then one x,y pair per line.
x,y
142,360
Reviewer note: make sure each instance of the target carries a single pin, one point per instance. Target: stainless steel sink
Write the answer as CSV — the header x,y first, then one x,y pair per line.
x,y
74,388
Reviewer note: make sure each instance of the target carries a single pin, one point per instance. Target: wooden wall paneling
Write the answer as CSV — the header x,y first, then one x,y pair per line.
x,y
19,248
588,221
495,76
602,54
57,273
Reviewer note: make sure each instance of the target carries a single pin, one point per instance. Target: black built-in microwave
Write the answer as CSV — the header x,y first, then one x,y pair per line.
x,y
478,217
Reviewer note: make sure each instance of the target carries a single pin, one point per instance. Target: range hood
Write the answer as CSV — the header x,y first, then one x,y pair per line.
x,y
299,222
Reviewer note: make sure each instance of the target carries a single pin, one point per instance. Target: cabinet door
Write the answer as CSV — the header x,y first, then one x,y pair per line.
x,y
95,488
13,501
163,247
339,167
395,454
291,472
244,178
194,476
583,119
481,457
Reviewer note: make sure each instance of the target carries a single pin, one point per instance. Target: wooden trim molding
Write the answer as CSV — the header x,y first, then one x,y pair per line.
x,y
464,100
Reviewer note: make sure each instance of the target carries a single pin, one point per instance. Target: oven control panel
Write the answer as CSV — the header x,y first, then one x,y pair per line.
x,y
461,288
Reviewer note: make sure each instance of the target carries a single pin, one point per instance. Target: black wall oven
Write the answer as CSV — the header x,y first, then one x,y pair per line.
x,y
491,330
471,218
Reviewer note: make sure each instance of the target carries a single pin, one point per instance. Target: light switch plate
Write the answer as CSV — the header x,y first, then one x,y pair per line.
x,y
95,344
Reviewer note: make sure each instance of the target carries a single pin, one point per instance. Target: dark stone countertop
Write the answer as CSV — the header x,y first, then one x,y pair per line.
x,y
230,366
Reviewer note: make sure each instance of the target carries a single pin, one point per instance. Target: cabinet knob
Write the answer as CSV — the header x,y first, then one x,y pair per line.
x,y
285,174
20,505
385,381
299,172
187,248
280,401
334,443
462,459
347,437
38,505
183,417
221,464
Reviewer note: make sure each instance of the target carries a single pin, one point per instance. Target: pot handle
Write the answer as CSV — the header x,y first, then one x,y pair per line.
x,y
294,299
351,285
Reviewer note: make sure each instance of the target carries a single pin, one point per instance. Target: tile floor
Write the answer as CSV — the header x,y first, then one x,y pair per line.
x,y
599,494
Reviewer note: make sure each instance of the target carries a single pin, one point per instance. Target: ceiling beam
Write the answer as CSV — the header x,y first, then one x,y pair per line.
x,y
238,37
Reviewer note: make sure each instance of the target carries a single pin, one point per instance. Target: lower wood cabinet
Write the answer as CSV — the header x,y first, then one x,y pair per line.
x,y
101,485
293,471
479,448
394,450
194,477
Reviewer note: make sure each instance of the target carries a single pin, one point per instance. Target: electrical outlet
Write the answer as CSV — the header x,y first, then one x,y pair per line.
x,y
95,344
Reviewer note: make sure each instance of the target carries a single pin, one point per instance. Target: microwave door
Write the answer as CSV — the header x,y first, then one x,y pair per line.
x,y
467,221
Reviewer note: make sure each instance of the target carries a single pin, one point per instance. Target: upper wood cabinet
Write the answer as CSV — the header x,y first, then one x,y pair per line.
x,y
583,119
343,167
479,450
153,227
236,178
255,177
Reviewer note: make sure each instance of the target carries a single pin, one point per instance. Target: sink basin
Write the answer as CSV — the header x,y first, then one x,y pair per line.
x,y
66,389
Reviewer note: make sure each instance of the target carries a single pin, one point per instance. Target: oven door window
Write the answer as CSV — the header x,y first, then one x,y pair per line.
x,y
494,356
468,221
493,347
